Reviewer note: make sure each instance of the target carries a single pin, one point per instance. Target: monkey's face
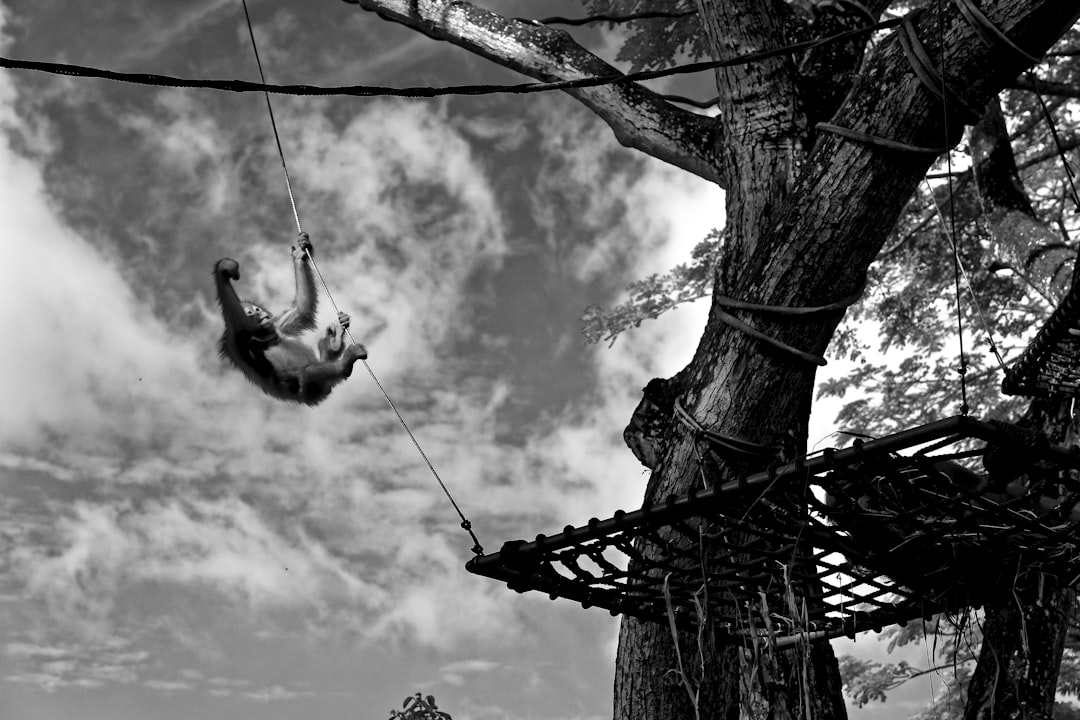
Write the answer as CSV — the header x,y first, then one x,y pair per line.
x,y
261,317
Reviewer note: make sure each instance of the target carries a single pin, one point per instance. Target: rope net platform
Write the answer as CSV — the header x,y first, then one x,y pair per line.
x,y
883,532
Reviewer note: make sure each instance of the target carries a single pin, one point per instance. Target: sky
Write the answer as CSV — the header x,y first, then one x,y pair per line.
x,y
173,544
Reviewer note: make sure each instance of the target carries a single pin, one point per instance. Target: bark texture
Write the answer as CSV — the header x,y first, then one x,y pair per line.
x,y
1021,241
814,248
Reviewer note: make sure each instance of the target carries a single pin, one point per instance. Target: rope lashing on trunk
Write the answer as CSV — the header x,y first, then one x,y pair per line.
x,y
727,443
923,66
878,140
785,311
990,34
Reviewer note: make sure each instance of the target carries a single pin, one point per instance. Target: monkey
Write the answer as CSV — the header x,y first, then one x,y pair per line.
x,y
266,349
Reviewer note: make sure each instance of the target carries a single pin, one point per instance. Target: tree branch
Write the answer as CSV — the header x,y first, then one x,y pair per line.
x,y
640,118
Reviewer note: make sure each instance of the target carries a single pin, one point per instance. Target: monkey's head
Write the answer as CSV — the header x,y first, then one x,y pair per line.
x,y
263,319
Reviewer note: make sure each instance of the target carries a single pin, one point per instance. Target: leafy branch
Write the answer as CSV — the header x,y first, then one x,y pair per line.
x,y
653,296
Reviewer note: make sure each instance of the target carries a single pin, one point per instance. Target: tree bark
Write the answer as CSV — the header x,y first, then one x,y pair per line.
x,y
1025,625
1021,241
814,249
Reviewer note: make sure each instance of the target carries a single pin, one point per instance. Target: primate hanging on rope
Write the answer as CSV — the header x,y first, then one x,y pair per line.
x,y
265,348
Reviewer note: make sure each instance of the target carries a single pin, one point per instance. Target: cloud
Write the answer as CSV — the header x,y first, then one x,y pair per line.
x,y
53,666
168,686
157,35
66,366
273,693
455,673
223,546
157,469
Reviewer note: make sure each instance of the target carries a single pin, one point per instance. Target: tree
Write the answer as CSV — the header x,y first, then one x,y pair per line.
x,y
807,210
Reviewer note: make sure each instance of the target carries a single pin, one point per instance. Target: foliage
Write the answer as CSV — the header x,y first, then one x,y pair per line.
x,y
655,295
867,680
952,643
1069,676
655,43
1066,711
417,707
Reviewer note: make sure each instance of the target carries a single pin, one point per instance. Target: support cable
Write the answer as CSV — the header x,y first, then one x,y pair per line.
x,y
273,124
432,92
466,525
944,93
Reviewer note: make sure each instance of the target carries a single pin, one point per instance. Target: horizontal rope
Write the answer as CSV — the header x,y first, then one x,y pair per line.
x,y
738,324
843,304
732,444
425,92
724,301
877,140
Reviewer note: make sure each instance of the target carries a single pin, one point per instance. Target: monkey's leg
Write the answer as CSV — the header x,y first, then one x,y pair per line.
x,y
322,376
325,373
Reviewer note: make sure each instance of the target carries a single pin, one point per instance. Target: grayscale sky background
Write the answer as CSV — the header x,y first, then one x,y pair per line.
x,y
175,545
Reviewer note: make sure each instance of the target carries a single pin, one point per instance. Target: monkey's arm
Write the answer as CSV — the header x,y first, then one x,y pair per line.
x,y
301,316
236,320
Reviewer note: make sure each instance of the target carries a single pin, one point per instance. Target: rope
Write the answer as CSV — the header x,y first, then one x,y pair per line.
x,y
273,124
477,548
967,279
732,444
724,301
877,140
923,66
944,93
990,34
1069,174
768,339
240,86
792,311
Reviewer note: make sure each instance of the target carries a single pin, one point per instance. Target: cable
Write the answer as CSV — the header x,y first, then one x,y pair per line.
x,y
240,86
944,92
465,524
1069,174
273,124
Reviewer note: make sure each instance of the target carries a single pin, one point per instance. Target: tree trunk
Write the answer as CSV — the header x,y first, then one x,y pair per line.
x,y
1025,625
810,245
